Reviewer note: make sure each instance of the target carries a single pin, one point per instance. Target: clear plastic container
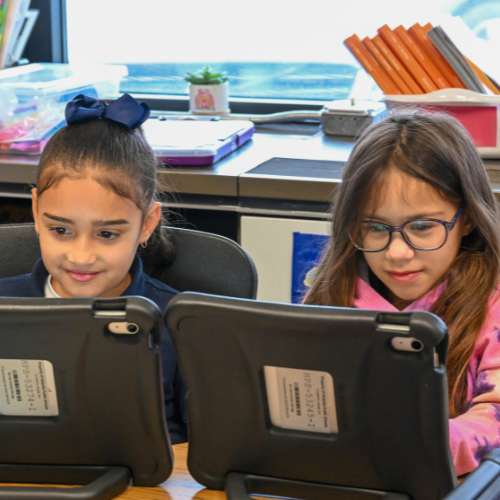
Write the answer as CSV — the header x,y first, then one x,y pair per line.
x,y
33,98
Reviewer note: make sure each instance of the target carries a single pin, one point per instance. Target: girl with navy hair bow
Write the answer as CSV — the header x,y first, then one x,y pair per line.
x,y
95,210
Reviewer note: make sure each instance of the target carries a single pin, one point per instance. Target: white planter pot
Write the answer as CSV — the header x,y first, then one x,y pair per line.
x,y
209,99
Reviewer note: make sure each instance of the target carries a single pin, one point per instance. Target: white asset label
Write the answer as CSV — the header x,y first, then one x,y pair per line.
x,y
301,399
27,388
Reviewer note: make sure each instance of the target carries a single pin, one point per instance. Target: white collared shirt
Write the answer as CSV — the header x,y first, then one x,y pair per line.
x,y
49,291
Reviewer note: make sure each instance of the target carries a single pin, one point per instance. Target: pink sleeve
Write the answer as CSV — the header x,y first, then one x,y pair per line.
x,y
476,432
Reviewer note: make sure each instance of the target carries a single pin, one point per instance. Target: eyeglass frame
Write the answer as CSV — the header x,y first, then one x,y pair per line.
x,y
400,229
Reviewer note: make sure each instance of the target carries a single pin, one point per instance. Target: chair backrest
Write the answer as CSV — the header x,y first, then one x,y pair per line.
x,y
209,263
204,262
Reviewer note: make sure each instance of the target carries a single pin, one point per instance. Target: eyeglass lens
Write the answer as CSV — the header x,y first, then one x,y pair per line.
x,y
423,234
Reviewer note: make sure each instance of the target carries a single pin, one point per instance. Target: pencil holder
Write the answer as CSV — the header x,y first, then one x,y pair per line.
x,y
478,113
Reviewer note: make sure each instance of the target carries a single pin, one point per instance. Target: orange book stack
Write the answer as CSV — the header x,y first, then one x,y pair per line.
x,y
424,61
483,77
405,61
390,70
353,43
405,56
421,36
395,63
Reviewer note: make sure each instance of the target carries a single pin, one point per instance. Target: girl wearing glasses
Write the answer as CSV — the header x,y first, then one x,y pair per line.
x,y
416,226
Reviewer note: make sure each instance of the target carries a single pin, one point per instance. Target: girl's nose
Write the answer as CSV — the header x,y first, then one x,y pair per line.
x,y
398,249
81,253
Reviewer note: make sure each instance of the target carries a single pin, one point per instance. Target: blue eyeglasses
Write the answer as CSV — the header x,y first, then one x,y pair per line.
x,y
420,234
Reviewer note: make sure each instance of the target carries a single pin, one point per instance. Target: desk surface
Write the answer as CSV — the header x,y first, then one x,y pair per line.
x,y
223,178
229,177
180,485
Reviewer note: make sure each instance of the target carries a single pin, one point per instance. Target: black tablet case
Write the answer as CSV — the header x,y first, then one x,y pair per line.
x,y
391,405
109,391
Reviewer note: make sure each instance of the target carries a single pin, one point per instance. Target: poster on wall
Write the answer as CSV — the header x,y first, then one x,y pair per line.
x,y
307,251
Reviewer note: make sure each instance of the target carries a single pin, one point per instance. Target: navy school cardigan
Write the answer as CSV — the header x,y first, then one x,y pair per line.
x,y
33,285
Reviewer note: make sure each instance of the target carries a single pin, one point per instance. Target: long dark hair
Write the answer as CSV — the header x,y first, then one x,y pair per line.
x,y
124,163
437,150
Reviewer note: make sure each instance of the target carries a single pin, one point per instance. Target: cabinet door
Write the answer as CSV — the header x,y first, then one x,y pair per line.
x,y
269,241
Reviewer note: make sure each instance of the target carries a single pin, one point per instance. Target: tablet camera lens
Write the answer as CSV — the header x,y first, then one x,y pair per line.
x,y
417,345
132,328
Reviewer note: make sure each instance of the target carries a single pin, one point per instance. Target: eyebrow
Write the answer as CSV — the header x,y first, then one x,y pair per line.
x,y
117,222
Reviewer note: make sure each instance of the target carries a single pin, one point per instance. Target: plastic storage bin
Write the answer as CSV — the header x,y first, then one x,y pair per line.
x,y
33,98
478,113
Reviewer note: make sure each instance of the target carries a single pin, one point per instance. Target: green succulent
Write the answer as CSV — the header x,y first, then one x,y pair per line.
x,y
206,76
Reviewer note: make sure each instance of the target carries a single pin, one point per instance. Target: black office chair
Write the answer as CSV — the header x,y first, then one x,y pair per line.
x,y
204,262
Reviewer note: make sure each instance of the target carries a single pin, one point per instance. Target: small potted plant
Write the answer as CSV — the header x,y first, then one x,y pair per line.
x,y
208,92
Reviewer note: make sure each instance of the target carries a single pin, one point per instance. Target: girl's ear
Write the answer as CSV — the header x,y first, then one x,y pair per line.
x,y
467,225
34,207
150,221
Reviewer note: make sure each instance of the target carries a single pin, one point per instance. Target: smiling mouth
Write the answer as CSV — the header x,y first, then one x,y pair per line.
x,y
404,277
82,276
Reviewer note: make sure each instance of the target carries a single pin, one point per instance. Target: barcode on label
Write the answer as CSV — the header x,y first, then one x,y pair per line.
x,y
297,398
16,385
27,388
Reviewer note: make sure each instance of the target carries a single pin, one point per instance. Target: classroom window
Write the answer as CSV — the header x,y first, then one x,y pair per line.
x,y
271,49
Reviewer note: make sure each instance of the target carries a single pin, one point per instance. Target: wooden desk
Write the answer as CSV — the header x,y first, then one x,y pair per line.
x,y
180,486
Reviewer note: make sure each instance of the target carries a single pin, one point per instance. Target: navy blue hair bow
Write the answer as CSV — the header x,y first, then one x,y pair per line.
x,y
125,110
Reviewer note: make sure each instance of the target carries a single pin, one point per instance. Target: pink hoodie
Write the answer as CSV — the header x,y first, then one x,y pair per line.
x,y
477,431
